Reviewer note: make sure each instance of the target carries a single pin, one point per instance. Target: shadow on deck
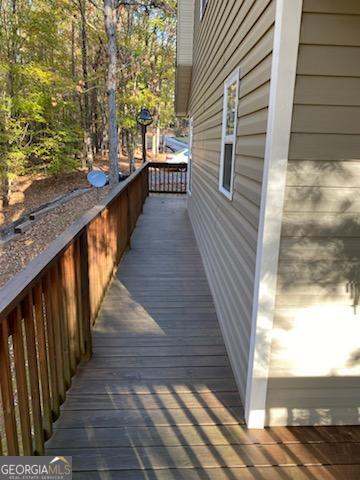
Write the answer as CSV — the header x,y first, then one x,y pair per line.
x,y
158,399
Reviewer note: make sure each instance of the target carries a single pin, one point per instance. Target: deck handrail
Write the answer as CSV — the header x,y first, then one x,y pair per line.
x,y
46,313
15,288
167,177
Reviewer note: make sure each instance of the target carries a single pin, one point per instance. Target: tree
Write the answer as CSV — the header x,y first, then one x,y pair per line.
x,y
110,13
71,71
88,143
138,20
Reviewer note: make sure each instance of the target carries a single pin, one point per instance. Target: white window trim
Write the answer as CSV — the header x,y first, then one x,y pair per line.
x,y
190,162
234,77
282,86
203,8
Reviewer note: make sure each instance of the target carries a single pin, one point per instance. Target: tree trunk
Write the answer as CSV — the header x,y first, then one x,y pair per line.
x,y
5,189
73,72
123,141
153,141
110,26
88,146
130,151
5,170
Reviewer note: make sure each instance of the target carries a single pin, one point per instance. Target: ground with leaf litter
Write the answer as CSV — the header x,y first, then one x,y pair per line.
x,y
29,194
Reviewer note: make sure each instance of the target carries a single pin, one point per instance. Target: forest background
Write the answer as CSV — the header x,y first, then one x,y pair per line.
x,y
73,75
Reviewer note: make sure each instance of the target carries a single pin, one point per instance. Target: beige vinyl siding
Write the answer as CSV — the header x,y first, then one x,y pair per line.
x,y
315,370
184,54
185,34
231,34
183,84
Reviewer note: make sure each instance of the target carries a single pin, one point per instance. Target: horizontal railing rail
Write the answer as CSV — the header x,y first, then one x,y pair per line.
x,y
167,177
46,314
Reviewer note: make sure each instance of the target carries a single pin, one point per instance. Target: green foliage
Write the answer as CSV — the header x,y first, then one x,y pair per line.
x,y
42,82
147,78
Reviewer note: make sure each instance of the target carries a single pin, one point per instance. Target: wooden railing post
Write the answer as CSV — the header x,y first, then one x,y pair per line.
x,y
146,182
85,295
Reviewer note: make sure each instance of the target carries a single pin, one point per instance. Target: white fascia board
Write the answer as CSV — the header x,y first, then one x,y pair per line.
x,y
282,85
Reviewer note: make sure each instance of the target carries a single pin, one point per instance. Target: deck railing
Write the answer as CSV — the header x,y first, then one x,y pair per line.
x,y
167,177
46,313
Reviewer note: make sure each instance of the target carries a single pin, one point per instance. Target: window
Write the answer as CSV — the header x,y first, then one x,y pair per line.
x,y
203,4
228,141
191,122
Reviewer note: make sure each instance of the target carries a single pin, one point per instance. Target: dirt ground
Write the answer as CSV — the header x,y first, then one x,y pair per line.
x,y
32,192
15,255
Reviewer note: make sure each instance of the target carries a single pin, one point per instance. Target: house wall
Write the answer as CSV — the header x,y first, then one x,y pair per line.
x,y
231,34
315,361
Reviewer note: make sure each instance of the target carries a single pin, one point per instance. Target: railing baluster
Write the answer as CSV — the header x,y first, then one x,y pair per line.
x,y
21,381
68,283
63,323
7,390
55,320
43,360
55,397
85,295
33,374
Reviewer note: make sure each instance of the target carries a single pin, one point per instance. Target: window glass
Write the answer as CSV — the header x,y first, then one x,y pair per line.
x,y
231,106
228,156
202,7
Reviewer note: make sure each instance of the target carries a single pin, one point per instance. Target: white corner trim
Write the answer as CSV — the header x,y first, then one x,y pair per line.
x,y
190,155
283,75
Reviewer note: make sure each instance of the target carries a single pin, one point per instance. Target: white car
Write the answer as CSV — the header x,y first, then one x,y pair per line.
x,y
182,156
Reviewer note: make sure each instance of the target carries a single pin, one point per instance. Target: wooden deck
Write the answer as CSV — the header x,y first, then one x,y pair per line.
x,y
158,399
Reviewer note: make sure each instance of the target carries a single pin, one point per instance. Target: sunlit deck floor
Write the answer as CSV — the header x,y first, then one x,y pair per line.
x,y
158,398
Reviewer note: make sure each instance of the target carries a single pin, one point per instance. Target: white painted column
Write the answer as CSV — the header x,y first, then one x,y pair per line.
x,y
283,75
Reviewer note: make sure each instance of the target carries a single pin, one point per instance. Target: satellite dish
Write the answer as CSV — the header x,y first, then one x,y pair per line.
x,y
97,178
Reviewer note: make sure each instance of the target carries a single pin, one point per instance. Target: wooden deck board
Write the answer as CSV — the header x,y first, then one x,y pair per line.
x,y
210,456
250,473
158,399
